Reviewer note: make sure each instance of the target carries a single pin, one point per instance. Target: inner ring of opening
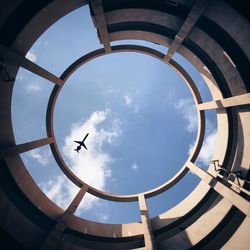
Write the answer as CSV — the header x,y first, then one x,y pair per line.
x,y
54,147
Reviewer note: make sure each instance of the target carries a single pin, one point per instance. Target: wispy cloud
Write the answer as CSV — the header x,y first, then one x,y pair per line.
x,y
103,214
104,218
92,165
41,42
62,191
42,156
134,166
136,109
31,56
169,98
32,88
187,109
207,150
128,100
20,76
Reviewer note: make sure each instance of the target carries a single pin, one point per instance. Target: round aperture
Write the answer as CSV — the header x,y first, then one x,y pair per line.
x,y
139,116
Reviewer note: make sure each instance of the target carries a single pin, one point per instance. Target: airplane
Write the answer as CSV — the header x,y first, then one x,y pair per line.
x,y
81,143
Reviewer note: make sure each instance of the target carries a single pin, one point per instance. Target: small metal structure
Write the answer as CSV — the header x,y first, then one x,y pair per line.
x,y
227,174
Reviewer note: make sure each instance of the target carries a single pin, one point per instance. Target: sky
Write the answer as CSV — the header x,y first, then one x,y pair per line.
x,y
139,114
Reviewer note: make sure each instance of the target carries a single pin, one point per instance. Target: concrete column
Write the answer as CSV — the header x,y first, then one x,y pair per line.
x,y
238,100
101,24
55,235
145,219
193,16
226,192
21,148
9,56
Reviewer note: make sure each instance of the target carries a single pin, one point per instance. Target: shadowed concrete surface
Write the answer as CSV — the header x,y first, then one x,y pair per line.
x,y
214,36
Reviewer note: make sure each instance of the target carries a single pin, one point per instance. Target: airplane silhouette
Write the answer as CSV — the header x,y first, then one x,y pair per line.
x,y
81,143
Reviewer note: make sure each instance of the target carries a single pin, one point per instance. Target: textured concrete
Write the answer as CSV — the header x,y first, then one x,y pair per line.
x,y
146,224
100,23
234,198
193,16
216,41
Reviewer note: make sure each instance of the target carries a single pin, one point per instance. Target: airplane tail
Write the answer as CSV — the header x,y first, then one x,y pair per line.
x,y
76,151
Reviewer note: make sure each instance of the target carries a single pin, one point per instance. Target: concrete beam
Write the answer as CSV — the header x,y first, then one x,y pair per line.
x,y
52,240
9,56
146,224
238,100
193,16
101,24
21,148
75,203
234,198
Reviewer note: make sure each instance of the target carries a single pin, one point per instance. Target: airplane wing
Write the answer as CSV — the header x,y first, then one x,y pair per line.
x,y
79,142
84,146
85,137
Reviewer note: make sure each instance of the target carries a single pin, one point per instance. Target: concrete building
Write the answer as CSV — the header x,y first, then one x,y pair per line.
x,y
214,36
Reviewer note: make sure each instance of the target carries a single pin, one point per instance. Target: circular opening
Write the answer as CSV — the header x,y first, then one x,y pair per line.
x,y
141,120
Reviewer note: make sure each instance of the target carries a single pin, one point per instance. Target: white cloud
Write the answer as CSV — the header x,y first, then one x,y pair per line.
x,y
104,218
42,156
41,42
134,166
60,189
92,165
31,56
207,149
32,88
128,100
187,109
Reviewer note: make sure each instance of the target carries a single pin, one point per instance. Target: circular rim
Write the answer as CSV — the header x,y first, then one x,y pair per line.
x,y
116,49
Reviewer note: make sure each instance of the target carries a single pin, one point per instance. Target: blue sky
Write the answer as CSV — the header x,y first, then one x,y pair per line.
x,y
138,112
